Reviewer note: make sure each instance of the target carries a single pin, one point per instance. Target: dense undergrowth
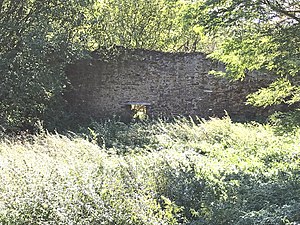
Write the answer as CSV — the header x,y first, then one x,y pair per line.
x,y
181,172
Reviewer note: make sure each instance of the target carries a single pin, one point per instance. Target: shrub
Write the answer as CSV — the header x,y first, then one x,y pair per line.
x,y
208,172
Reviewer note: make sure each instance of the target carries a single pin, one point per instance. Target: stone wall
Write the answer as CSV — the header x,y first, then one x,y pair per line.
x,y
172,83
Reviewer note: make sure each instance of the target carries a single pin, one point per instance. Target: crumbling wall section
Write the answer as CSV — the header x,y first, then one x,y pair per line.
x,y
172,83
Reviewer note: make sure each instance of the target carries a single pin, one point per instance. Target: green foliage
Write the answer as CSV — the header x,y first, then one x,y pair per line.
x,y
256,35
153,24
198,172
120,137
37,40
285,122
277,92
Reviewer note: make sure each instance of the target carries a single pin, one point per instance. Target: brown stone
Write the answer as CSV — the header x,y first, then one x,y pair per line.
x,y
172,83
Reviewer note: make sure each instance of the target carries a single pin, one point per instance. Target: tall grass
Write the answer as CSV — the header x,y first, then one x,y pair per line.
x,y
181,172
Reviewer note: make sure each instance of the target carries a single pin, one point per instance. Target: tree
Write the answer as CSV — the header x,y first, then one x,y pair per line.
x,y
165,25
258,35
37,38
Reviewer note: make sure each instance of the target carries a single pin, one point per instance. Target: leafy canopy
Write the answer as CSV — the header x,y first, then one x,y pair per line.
x,y
257,35
165,25
37,38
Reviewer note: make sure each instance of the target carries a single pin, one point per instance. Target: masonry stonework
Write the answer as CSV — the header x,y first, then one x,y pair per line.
x,y
171,83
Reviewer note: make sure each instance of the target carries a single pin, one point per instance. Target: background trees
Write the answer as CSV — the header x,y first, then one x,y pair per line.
x,y
150,24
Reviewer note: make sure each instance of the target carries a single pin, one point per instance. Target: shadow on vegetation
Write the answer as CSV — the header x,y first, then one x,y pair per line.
x,y
285,122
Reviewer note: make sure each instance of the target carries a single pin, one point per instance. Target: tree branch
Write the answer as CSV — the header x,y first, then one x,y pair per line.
x,y
279,9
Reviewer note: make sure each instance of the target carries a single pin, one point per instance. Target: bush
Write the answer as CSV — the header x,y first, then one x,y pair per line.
x,y
37,40
117,136
205,172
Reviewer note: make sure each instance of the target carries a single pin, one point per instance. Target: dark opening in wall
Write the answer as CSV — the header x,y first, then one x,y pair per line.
x,y
138,110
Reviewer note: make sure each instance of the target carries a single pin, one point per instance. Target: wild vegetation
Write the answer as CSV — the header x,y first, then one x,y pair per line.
x,y
157,172
180,172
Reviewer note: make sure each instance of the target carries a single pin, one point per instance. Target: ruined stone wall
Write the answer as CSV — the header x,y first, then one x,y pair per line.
x,y
173,83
